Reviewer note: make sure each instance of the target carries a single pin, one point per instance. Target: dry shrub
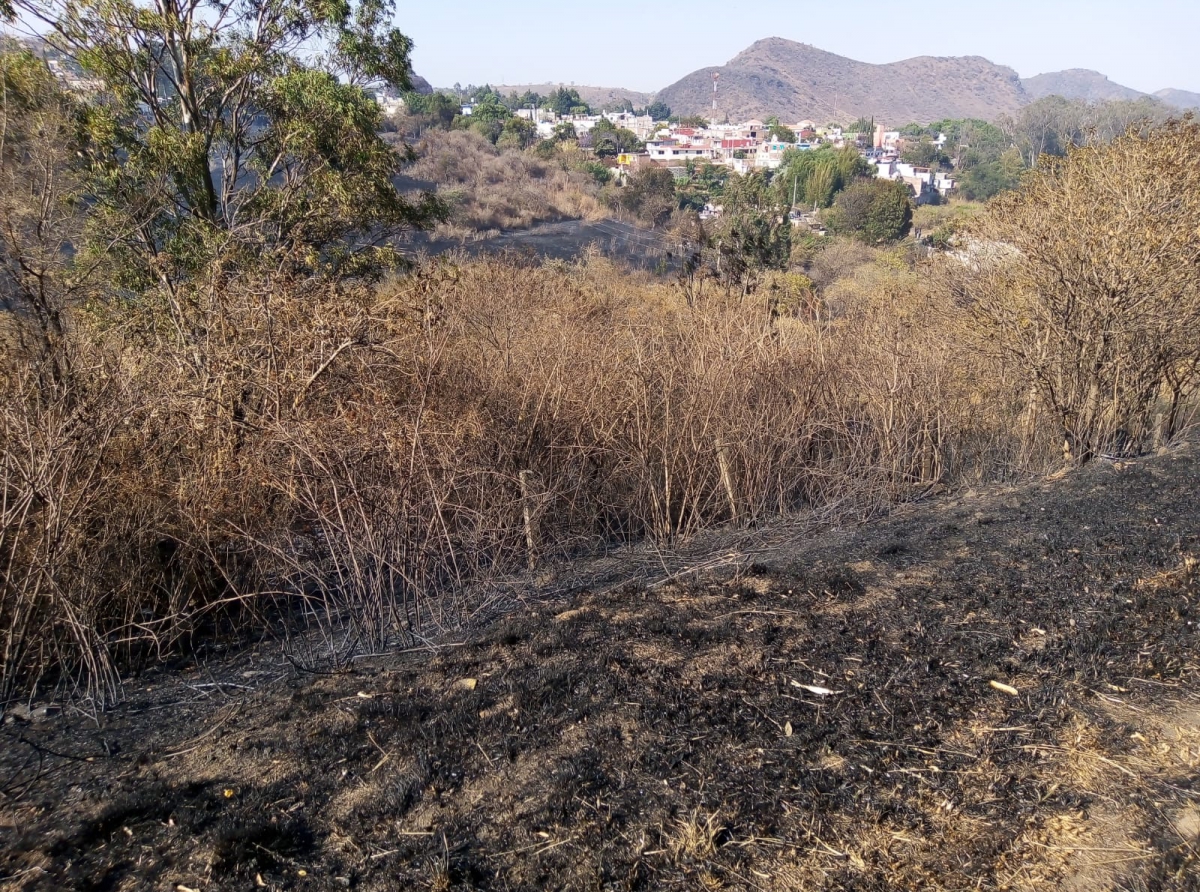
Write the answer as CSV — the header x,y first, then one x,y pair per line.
x,y
493,189
1086,278
838,259
355,457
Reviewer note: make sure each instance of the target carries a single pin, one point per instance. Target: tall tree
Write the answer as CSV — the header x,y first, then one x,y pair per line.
x,y
239,125
874,211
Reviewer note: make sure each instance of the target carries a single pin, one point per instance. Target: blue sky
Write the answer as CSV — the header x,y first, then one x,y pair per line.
x,y
1144,44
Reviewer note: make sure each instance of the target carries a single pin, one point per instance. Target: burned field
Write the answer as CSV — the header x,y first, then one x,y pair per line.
x,y
993,691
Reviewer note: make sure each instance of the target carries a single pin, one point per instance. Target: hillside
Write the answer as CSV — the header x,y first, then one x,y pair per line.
x,y
419,84
1080,84
595,96
992,691
1180,98
797,81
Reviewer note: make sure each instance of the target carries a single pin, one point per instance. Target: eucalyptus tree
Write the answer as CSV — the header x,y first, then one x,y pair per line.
x,y
239,129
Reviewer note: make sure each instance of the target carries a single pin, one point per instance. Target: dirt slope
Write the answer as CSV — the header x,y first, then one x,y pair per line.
x,y
818,713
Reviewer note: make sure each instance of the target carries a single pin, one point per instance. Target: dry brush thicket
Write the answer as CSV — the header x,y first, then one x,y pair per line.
x,y
492,189
292,450
355,454
1087,277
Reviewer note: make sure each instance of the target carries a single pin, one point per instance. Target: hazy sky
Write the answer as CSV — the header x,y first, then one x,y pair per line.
x,y
1144,44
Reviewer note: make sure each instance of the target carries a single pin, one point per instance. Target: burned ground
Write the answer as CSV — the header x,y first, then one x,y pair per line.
x,y
991,691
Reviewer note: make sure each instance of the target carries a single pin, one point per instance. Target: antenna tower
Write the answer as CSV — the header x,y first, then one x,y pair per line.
x,y
716,77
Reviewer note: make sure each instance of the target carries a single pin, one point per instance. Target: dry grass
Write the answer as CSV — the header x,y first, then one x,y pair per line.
x,y
356,458
490,189
694,837
330,453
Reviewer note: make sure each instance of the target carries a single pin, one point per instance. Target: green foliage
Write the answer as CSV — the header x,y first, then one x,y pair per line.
x,y
658,110
649,194
705,185
525,100
815,176
26,86
565,132
777,132
985,180
608,140
517,133
924,154
753,233
688,120
600,174
862,125
874,211
780,133
564,101
440,108
213,138
1053,125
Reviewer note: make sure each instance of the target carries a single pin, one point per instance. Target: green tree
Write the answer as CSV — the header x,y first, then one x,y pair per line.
x,y
874,211
213,136
822,185
924,154
565,132
985,180
649,193
608,140
705,185
658,110
518,133
780,133
40,216
564,101
753,233
838,169
440,108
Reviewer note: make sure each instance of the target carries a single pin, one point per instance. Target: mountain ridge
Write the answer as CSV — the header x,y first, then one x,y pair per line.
x,y
797,81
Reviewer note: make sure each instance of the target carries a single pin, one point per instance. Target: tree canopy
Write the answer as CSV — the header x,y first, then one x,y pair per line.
x,y
874,211
213,134
566,101
607,139
658,110
815,176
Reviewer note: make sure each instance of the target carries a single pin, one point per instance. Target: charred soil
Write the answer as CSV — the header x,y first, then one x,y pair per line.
x,y
994,690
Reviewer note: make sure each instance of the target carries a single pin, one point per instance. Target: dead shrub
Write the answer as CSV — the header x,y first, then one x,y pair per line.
x,y
1086,277
495,189
307,452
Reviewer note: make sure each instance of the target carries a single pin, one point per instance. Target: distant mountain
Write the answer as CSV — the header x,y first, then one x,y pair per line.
x,y
595,96
1180,98
1080,84
796,81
